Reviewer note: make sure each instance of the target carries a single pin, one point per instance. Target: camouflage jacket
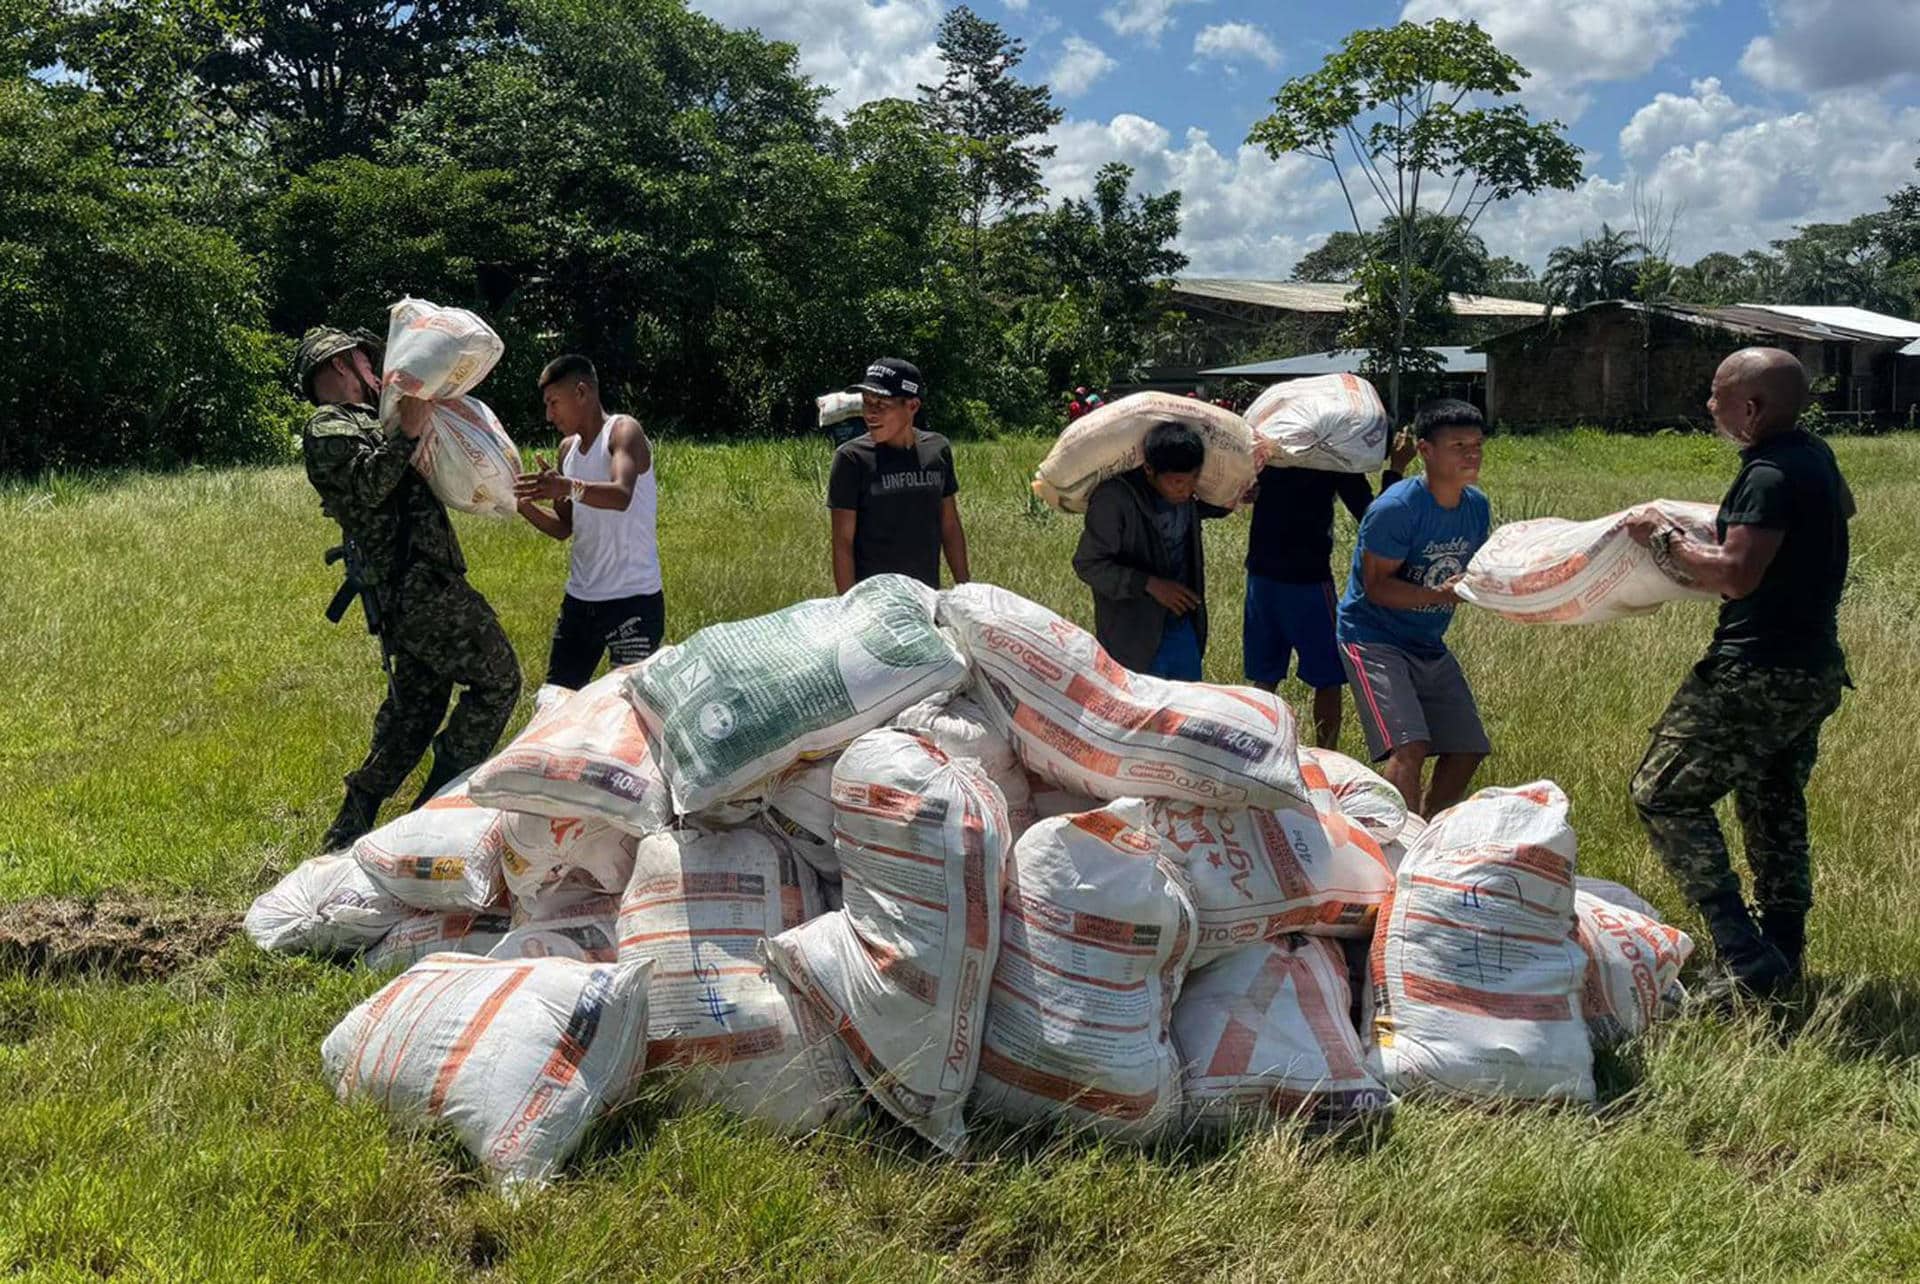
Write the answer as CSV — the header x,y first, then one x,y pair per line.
x,y
366,480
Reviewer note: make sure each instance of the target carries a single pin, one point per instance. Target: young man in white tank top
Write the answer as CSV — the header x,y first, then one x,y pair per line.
x,y
603,499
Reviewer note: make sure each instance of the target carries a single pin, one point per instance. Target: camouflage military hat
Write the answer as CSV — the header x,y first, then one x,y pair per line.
x,y
322,344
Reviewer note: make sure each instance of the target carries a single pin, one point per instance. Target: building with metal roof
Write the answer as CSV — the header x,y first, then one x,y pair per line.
x,y
1453,361
1630,363
1244,299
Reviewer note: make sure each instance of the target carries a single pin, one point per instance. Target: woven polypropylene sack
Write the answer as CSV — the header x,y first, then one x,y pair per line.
x,y
542,852
325,906
467,457
700,905
1359,793
434,353
1096,935
590,756
1259,874
1110,440
800,811
961,728
570,922
1081,721
446,855
517,1057
736,703
901,970
1334,423
1552,571
1475,971
421,934
1633,966
1266,1030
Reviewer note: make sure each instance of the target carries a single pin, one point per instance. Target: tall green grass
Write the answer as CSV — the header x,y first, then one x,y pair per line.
x,y
175,716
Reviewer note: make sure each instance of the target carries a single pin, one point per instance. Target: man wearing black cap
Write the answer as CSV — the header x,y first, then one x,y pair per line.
x,y
891,490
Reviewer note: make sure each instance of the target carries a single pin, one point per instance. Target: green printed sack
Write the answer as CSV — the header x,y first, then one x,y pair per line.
x,y
737,702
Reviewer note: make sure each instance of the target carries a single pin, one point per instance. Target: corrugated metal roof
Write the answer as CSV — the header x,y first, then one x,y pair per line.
x,y
1911,350
1741,318
1858,320
1329,296
1344,361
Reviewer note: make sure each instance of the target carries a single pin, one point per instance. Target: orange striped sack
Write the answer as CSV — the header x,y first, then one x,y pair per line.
x,y
516,1057
446,856
1553,571
700,905
901,970
325,906
1097,931
1359,793
426,932
1477,978
1633,967
1268,1030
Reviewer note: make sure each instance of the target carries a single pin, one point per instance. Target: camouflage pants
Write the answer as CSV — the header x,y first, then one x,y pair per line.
x,y
1752,732
442,633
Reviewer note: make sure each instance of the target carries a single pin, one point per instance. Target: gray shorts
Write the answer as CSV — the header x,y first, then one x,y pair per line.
x,y
1403,699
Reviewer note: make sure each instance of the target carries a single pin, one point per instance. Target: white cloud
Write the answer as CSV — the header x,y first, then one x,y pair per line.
x,y
1018,6
1737,190
1231,42
1832,44
1672,119
1570,45
1081,63
1145,18
1241,213
861,49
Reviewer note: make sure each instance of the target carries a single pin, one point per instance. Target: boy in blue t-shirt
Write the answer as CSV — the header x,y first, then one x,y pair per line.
x,y
1414,544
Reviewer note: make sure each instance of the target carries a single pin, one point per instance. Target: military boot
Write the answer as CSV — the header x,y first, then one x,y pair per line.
x,y
444,770
1786,931
1751,967
356,818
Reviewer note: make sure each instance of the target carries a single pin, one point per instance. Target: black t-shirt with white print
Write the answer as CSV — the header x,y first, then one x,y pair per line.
x,y
897,493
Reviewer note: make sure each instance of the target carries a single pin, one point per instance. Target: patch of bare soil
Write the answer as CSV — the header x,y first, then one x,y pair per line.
x,y
115,936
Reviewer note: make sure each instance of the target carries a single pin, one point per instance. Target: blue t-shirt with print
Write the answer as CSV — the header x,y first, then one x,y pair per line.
x,y
1432,544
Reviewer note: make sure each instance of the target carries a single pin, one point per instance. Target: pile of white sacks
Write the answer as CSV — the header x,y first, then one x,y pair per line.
x,y
937,853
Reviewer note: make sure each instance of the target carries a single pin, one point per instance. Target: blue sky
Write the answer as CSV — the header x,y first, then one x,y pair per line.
x,y
1743,117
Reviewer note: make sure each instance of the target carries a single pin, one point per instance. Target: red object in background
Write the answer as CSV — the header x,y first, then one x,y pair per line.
x,y
1075,410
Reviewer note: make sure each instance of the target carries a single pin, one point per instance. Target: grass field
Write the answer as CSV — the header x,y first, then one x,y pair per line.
x,y
175,716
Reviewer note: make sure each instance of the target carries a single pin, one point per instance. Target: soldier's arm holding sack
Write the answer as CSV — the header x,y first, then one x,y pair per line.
x,y
1732,569
347,462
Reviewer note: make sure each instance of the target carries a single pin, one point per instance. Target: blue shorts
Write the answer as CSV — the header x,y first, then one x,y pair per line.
x,y
1179,655
1282,620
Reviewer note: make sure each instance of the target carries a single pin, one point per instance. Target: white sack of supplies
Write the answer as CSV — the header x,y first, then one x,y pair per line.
x,y
1476,974
960,728
800,811
700,906
1084,723
1096,936
1258,874
445,856
837,407
576,922
1268,1030
545,852
426,932
1331,422
324,906
589,756
1359,793
1108,441
902,969
1633,966
439,355
516,1057
1553,571
737,702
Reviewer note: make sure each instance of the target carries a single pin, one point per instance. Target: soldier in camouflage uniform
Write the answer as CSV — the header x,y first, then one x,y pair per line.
x,y
1747,719
435,629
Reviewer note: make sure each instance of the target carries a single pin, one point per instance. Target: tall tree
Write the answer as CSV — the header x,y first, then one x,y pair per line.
x,y
1458,256
994,115
1606,266
1397,107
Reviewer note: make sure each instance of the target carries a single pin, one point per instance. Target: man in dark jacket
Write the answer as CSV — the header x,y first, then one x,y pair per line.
x,y
1140,552
435,628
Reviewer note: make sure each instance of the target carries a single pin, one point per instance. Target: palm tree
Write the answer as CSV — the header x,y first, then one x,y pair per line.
x,y
1601,267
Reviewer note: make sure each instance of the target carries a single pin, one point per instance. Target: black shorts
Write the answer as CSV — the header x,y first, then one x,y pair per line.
x,y
625,629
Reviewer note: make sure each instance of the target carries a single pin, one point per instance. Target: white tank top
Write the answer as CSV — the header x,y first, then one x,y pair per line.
x,y
615,554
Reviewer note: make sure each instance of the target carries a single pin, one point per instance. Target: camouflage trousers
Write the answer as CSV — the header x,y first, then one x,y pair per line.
x,y
1753,732
441,633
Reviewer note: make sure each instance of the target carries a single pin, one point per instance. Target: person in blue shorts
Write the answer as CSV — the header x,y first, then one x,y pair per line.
x,y
1291,601
1140,552
1414,545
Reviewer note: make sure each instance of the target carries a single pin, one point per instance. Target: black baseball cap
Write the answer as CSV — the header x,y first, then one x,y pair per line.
x,y
891,377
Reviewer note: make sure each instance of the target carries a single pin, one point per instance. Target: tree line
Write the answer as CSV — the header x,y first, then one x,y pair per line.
x,y
186,185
